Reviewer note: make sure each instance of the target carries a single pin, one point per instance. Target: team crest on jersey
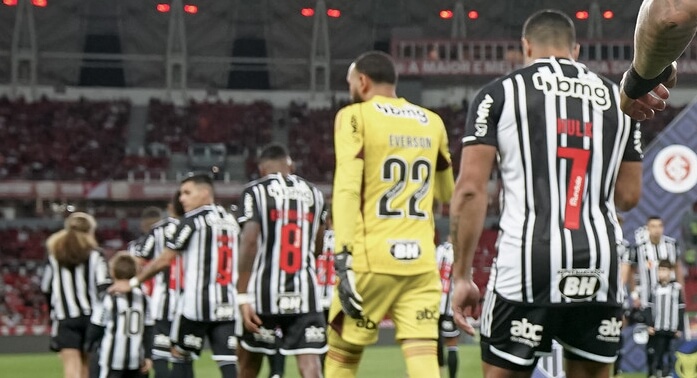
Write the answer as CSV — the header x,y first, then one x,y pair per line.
x,y
580,284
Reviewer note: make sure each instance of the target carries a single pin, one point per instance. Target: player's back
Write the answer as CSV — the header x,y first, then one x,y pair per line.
x,y
290,211
208,236
404,144
561,139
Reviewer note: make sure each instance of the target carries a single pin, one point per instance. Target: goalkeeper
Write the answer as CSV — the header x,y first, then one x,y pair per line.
x,y
392,161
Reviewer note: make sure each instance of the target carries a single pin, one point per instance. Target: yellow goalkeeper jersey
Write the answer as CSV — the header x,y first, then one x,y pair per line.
x,y
392,160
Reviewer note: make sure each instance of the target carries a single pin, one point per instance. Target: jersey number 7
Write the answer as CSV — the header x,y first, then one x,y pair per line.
x,y
577,182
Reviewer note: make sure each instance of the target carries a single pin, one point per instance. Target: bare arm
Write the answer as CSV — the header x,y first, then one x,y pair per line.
x,y
664,28
467,215
162,262
628,186
248,252
468,205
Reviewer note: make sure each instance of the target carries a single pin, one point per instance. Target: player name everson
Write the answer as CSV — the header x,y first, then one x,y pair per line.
x,y
408,141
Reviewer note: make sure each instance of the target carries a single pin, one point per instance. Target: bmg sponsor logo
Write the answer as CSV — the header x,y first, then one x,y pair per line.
x,y
525,332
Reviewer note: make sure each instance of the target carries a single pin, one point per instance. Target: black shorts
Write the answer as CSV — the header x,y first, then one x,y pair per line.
x,y
122,374
289,334
189,335
69,333
447,327
515,335
162,345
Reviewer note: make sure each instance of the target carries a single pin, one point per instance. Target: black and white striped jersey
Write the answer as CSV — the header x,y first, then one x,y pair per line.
x,y
646,256
561,138
445,259
290,211
667,307
325,269
167,284
208,238
124,318
75,291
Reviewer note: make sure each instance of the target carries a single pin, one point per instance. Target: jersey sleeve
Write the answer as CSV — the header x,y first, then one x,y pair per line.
x,y
101,274
483,116
179,239
444,178
148,319
46,278
102,314
633,150
250,207
146,248
348,177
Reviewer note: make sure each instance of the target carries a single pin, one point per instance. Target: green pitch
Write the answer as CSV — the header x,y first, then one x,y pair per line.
x,y
377,361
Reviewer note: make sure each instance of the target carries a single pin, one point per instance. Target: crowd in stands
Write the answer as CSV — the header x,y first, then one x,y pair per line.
x,y
81,140
234,124
86,140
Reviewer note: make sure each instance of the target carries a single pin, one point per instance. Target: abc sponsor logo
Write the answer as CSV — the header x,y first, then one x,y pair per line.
x,y
193,341
580,284
427,314
366,323
610,330
525,332
162,341
314,334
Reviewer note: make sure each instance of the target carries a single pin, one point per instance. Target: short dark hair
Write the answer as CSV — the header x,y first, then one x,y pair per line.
x,y
378,66
199,178
177,206
665,264
273,151
151,212
123,265
551,27
653,217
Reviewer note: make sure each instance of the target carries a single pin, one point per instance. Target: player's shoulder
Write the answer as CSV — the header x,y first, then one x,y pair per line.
x,y
160,224
669,240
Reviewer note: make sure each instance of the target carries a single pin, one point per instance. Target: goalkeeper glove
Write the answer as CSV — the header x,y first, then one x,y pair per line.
x,y
348,296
